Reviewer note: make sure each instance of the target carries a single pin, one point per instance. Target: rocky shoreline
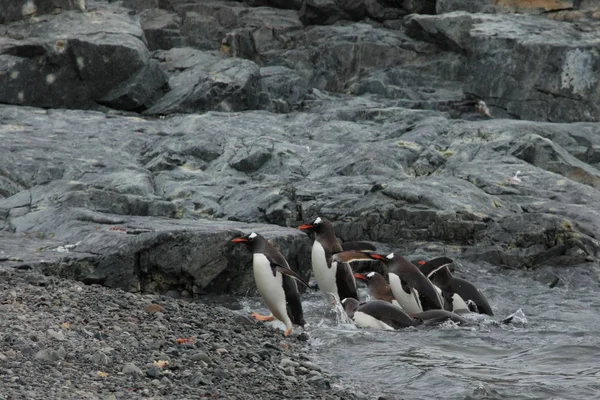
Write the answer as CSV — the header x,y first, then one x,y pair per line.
x,y
138,137
65,340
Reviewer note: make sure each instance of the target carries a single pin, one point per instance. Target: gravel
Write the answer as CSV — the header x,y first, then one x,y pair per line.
x,y
61,339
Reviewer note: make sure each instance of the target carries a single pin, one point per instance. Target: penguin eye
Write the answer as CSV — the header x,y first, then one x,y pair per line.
x,y
251,236
317,221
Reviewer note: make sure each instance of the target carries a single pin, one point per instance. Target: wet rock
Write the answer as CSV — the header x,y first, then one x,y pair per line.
x,y
66,62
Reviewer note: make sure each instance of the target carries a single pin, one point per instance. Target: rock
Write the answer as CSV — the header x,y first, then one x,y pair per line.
x,y
199,379
252,159
561,88
3,358
132,369
162,29
201,356
24,9
66,61
100,358
506,6
59,336
281,89
47,355
154,308
207,81
153,372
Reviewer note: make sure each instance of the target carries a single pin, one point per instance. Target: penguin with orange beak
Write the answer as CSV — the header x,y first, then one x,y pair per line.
x,y
275,281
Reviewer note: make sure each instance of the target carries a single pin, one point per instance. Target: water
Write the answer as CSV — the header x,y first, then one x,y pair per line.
x,y
552,351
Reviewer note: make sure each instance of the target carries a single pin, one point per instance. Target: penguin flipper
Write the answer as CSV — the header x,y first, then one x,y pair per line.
x,y
288,272
358,246
431,266
344,279
347,256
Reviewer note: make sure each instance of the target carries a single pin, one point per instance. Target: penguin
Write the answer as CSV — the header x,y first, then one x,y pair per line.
x,y
379,314
275,281
333,276
377,287
453,303
410,287
459,290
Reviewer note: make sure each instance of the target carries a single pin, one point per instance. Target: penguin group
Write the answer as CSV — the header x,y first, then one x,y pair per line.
x,y
407,294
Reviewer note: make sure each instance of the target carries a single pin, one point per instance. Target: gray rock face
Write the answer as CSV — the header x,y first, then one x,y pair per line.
x,y
317,12
547,67
551,8
377,125
16,10
207,81
79,60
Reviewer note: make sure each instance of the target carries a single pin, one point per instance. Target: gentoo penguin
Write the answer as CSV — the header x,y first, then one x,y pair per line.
x,y
377,287
380,314
455,303
377,314
410,287
332,276
460,291
275,281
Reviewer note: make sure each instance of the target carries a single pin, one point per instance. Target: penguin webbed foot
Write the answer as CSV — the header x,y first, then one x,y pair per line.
x,y
263,318
287,332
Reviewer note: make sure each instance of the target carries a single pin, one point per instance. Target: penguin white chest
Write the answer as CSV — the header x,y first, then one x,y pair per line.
x,y
368,321
458,303
324,275
270,287
408,301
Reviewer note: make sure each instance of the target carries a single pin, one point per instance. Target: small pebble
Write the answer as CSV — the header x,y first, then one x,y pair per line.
x,y
47,355
201,356
132,369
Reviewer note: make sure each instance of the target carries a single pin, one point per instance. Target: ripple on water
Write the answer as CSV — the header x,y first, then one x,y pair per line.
x,y
550,351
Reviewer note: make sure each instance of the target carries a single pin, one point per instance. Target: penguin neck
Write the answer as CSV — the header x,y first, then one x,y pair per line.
x,y
329,241
380,290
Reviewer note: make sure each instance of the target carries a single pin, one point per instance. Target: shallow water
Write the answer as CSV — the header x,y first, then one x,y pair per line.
x,y
551,351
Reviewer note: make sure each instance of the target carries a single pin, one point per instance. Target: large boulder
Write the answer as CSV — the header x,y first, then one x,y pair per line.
x,y
79,60
545,70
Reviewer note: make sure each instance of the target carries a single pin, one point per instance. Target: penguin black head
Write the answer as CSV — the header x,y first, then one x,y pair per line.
x,y
253,241
319,225
368,278
350,305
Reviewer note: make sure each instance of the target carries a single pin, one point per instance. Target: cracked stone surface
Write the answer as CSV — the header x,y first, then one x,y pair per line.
x,y
468,134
